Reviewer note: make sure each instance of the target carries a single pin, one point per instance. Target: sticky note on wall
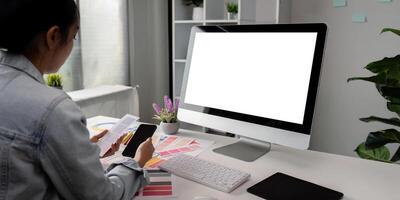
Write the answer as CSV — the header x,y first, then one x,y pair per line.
x,y
339,3
359,18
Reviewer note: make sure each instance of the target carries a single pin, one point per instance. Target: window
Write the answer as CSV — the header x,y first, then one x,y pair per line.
x,y
100,54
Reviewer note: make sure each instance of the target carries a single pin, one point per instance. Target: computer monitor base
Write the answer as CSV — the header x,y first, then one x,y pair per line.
x,y
246,149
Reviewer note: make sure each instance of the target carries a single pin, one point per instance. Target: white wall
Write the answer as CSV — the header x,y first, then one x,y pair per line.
x,y
258,11
350,46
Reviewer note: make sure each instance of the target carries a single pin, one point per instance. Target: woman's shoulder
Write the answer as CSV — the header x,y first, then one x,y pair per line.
x,y
31,98
38,93
28,103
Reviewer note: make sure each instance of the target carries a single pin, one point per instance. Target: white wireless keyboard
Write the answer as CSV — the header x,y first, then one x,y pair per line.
x,y
207,173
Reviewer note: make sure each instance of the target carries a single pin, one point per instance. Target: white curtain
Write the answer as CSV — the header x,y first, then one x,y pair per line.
x,y
122,42
104,42
148,22
71,71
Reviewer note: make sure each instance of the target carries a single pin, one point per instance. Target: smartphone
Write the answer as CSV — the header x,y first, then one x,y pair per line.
x,y
143,132
284,187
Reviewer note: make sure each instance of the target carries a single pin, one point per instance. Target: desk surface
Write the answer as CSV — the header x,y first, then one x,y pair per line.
x,y
355,178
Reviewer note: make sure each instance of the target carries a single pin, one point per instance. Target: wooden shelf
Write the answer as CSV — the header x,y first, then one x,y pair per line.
x,y
180,60
214,21
189,21
222,21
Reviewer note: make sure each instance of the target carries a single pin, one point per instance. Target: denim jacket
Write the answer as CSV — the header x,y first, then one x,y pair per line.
x,y
45,152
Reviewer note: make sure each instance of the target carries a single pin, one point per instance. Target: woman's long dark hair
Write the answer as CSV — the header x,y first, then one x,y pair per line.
x,y
22,20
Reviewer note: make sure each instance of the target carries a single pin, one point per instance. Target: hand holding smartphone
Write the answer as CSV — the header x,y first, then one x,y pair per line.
x,y
118,130
143,132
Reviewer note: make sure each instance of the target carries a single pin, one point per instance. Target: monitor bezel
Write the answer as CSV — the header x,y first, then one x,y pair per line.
x,y
305,127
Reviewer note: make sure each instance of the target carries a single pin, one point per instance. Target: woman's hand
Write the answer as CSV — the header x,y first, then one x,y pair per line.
x,y
144,152
114,147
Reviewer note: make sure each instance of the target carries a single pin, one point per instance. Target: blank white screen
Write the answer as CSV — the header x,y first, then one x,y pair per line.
x,y
260,74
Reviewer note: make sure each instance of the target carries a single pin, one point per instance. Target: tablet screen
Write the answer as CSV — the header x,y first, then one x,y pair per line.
x,y
284,187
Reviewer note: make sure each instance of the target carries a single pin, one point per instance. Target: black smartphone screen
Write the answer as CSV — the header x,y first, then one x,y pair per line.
x,y
143,132
284,187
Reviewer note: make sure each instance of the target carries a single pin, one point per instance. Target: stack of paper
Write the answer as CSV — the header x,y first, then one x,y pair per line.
x,y
161,185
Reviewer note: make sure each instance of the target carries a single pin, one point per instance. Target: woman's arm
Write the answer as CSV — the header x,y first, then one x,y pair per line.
x,y
72,162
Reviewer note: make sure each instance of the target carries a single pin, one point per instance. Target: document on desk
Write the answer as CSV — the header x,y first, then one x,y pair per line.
x,y
119,129
99,123
169,146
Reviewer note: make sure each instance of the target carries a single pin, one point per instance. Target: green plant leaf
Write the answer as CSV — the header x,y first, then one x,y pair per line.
x,y
370,79
373,79
379,79
396,156
54,80
380,138
232,7
394,107
380,154
391,121
392,94
386,64
395,31
389,91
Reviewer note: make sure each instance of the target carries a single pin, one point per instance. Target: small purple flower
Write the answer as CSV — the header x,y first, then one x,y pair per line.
x,y
176,106
156,108
168,113
168,104
165,101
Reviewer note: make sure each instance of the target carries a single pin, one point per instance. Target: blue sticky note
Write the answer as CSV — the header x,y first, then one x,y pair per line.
x,y
384,1
339,3
359,18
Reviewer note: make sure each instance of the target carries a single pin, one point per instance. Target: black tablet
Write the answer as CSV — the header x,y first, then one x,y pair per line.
x,y
284,187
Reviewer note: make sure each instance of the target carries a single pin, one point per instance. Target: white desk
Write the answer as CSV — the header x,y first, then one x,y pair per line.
x,y
355,178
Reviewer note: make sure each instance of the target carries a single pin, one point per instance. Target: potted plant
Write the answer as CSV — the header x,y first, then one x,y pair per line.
x,y
387,81
232,10
167,115
55,80
197,9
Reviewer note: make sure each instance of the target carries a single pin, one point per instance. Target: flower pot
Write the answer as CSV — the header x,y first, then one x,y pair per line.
x,y
198,13
169,128
57,87
231,16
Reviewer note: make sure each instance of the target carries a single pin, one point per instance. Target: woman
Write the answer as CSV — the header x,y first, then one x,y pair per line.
x,y
45,151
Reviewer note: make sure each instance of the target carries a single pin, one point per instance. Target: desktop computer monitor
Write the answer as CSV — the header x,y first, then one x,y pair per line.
x,y
256,81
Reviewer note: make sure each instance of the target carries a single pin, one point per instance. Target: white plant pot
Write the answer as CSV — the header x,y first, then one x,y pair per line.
x,y
198,13
169,128
231,16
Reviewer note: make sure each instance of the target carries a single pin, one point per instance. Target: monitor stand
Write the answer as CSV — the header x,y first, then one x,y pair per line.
x,y
246,149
